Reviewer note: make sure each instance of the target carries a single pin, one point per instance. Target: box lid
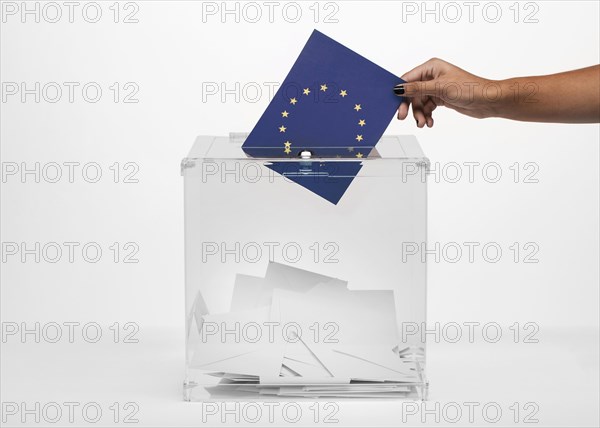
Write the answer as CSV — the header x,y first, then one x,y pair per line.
x,y
389,147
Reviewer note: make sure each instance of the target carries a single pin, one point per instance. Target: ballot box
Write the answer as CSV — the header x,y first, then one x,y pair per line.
x,y
288,294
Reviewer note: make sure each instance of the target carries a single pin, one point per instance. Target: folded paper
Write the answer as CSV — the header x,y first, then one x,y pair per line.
x,y
342,343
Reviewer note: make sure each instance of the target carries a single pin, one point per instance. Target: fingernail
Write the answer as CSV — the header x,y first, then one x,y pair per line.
x,y
399,89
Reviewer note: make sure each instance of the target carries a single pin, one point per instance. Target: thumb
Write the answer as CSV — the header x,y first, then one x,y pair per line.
x,y
413,89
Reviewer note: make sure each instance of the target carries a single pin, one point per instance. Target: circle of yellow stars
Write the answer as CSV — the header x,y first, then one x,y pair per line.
x,y
287,145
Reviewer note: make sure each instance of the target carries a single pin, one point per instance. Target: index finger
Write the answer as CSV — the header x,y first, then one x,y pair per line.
x,y
422,72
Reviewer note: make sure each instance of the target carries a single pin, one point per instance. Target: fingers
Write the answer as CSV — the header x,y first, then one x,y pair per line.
x,y
416,89
422,107
427,70
403,110
428,109
422,90
438,102
418,113
422,80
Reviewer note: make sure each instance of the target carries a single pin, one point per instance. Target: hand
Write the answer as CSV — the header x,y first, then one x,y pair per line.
x,y
439,83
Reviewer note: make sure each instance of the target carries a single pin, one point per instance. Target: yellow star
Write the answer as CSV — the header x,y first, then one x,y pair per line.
x,y
344,93
306,91
362,122
359,138
357,107
323,87
287,150
350,149
359,155
287,144
284,114
282,128
293,101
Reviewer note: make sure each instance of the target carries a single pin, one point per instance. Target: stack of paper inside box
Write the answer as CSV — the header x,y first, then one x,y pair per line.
x,y
298,333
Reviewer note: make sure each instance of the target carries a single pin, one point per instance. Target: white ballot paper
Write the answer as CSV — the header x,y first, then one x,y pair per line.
x,y
298,333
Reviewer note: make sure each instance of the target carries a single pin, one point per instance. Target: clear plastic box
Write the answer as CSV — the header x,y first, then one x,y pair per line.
x,y
277,276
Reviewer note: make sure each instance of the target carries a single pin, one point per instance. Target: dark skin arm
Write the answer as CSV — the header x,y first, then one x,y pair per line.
x,y
569,97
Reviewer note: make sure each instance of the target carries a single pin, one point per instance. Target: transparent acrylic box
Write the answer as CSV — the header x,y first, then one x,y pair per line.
x,y
245,225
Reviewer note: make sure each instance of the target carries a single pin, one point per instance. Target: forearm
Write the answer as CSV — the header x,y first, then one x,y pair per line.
x,y
570,97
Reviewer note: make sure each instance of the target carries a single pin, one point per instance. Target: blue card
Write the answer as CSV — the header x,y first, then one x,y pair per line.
x,y
334,103
327,179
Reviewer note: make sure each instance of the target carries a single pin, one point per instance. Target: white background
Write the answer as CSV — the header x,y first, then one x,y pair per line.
x,y
171,55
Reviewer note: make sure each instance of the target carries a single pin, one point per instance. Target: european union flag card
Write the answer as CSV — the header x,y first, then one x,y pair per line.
x,y
333,103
